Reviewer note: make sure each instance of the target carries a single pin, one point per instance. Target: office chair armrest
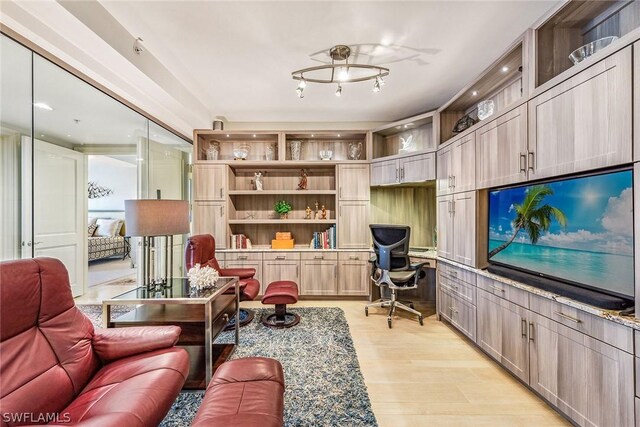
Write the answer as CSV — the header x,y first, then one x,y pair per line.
x,y
419,273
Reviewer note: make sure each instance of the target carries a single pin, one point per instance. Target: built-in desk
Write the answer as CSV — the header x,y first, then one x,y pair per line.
x,y
426,290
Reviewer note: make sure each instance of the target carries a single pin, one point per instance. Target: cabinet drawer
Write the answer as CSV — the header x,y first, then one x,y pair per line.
x,y
596,327
508,292
460,289
458,274
459,313
242,256
327,256
354,256
281,256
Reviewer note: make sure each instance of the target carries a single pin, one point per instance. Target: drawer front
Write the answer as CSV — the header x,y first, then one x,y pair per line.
x,y
319,256
459,313
281,256
354,256
508,292
460,289
458,274
596,327
243,256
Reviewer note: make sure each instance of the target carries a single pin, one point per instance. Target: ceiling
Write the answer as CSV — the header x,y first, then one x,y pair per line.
x,y
236,57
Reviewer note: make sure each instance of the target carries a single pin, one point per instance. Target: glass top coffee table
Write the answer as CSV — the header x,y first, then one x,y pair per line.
x,y
202,315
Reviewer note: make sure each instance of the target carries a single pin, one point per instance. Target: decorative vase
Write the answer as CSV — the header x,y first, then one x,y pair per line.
x,y
295,149
269,152
213,152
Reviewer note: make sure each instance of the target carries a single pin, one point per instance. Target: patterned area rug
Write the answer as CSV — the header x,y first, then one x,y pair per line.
x,y
94,312
324,385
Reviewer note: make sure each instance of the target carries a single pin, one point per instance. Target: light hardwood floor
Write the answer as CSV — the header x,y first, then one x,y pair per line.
x,y
423,375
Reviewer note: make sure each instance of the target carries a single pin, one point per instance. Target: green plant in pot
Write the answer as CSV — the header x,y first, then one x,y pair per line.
x,y
283,208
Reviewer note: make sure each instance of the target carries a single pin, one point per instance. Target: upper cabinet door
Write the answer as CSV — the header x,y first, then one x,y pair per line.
x,y
464,228
463,164
210,182
585,122
385,172
502,150
444,180
353,182
418,168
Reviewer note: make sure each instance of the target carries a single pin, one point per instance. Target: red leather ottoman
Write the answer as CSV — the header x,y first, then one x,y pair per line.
x,y
280,294
244,393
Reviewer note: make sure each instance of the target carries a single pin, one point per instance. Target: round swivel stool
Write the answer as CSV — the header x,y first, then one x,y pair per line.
x,y
280,294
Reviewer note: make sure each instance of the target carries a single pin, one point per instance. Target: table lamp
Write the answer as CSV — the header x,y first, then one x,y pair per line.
x,y
148,218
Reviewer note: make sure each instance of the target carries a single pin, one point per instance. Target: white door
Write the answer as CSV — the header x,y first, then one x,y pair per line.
x,y
59,209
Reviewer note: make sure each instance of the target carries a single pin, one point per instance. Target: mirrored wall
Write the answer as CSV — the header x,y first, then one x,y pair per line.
x,y
69,157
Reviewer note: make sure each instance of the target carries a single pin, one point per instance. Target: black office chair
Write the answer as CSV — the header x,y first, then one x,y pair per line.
x,y
392,268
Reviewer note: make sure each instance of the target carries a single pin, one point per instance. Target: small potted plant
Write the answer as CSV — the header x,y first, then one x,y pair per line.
x,y
283,208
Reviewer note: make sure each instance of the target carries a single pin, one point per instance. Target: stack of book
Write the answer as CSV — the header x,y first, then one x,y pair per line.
x,y
324,239
240,241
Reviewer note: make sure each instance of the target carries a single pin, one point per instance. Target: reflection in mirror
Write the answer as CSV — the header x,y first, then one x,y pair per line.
x,y
15,143
85,167
169,159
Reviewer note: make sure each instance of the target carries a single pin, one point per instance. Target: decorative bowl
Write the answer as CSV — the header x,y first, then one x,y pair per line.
x,y
589,49
241,152
326,154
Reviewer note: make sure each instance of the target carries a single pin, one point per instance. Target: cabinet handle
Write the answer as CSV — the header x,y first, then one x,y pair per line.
x,y
353,257
495,288
531,331
335,271
566,316
449,205
221,192
397,176
524,327
523,162
225,318
297,271
531,160
402,178
281,257
221,210
453,177
454,274
450,185
243,257
453,207
318,257
341,192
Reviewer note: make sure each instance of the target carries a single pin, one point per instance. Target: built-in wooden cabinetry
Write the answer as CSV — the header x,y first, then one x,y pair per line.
x,y
580,363
227,202
404,152
501,149
353,273
457,227
456,166
583,123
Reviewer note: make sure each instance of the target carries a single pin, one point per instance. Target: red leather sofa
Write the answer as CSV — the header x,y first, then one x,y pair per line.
x,y
201,249
56,368
243,393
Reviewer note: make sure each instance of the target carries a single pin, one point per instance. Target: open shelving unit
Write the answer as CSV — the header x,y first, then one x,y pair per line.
x,y
228,141
387,141
504,83
576,24
337,142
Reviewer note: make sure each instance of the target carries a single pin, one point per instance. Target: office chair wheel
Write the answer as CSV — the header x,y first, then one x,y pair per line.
x,y
389,322
366,311
420,319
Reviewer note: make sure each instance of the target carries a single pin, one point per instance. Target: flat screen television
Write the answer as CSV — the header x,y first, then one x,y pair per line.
x,y
577,231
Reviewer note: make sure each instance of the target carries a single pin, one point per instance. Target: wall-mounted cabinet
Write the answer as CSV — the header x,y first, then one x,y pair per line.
x,y
585,122
502,150
457,166
404,170
408,136
501,85
576,24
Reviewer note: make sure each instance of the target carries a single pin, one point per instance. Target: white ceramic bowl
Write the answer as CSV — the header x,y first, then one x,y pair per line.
x,y
326,154
589,49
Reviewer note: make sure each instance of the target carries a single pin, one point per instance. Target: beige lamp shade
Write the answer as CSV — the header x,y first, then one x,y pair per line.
x,y
148,217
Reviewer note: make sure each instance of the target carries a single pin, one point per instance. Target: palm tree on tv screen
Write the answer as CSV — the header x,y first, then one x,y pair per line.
x,y
533,217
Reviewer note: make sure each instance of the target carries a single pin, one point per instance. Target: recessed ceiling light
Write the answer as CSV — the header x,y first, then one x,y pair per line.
x,y
312,135
338,135
43,106
128,136
474,93
42,135
254,135
227,135
68,135
505,69
398,127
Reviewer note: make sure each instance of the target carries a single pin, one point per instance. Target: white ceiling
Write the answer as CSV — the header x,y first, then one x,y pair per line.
x,y
236,57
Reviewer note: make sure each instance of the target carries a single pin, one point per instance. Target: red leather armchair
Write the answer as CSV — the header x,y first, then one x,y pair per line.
x,y
201,249
57,369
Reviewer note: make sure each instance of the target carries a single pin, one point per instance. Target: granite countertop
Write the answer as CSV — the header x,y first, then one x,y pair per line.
x,y
612,315
302,249
430,253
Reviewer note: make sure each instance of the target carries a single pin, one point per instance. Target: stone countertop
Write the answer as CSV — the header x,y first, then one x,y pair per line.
x,y
302,249
612,315
425,254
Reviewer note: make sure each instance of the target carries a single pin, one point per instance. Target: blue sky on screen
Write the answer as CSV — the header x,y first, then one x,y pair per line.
x,y
599,211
